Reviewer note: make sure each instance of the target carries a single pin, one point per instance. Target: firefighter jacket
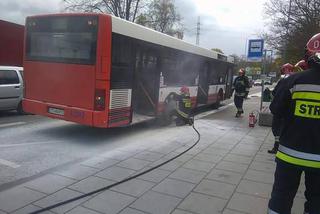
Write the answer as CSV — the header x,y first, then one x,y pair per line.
x,y
276,88
241,86
183,107
297,102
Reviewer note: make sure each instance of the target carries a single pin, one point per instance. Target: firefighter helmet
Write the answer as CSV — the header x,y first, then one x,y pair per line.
x,y
312,52
184,90
286,69
301,65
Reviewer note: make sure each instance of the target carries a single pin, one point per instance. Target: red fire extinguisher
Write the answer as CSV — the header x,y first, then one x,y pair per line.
x,y
252,119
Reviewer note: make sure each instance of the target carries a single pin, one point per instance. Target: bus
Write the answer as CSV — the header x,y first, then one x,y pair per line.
x,y
102,71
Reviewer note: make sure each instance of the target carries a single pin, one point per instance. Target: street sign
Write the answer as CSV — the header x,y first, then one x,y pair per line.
x,y
255,50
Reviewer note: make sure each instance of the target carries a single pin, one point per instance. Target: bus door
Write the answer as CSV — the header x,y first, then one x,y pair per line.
x,y
203,86
229,79
146,83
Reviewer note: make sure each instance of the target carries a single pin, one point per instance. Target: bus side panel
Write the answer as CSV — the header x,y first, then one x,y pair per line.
x,y
218,79
103,70
178,69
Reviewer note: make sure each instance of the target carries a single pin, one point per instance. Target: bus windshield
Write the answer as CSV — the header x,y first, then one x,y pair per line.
x,y
70,39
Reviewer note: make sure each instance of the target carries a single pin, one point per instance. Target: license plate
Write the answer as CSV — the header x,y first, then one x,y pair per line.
x,y
56,111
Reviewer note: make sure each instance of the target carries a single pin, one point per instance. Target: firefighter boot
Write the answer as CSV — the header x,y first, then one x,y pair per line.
x,y
238,114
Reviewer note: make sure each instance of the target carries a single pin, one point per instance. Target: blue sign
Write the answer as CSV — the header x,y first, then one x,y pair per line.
x,y
255,50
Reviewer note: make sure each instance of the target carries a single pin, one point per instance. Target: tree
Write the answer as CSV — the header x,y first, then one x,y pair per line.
x,y
291,27
217,50
162,16
125,9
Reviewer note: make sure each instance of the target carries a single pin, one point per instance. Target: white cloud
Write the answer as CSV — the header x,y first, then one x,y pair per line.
x,y
224,24
17,10
235,14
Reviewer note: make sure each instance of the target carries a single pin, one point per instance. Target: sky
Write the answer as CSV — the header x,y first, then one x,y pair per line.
x,y
225,24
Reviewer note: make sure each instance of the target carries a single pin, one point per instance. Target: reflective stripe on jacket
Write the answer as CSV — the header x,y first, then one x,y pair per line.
x,y
298,158
183,107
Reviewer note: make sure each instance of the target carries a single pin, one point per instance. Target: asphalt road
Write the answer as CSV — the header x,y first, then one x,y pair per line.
x,y
32,145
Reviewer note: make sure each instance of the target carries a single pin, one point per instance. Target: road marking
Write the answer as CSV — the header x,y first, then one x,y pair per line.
x,y
12,124
28,144
9,163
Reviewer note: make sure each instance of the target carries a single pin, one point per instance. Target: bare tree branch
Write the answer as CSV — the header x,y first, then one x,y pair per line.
x,y
290,32
125,9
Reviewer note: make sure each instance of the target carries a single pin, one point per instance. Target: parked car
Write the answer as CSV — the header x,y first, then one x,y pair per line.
x,y
268,81
257,82
250,81
11,88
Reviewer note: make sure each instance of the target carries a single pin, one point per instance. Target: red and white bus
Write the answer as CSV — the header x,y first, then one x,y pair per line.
x,y
102,71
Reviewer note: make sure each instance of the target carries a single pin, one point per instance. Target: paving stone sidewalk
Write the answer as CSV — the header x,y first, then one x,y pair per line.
x,y
228,172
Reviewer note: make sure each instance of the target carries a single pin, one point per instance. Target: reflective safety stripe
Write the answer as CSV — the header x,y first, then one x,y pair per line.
x,y
272,212
182,114
306,95
187,103
307,109
297,161
277,138
297,154
305,87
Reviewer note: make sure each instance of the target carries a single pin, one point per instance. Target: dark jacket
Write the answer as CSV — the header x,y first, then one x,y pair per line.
x,y
183,105
297,101
276,88
241,86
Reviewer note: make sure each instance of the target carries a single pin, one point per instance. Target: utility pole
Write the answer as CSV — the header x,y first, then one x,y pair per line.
x,y
287,33
198,32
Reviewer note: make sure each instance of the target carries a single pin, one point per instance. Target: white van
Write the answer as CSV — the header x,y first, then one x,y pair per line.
x,y
11,88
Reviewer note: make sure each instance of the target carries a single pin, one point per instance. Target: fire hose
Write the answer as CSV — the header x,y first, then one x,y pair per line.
x,y
122,181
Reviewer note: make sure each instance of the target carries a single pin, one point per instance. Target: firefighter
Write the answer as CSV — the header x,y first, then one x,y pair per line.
x,y
183,107
298,102
241,88
285,71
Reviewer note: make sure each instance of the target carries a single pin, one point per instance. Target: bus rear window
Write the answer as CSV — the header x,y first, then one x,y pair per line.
x,y
62,39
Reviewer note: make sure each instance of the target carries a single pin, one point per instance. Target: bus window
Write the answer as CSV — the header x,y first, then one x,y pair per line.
x,y
62,39
122,62
213,74
190,71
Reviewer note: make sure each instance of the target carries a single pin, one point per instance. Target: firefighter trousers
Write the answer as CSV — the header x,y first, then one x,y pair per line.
x,y
238,102
286,184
